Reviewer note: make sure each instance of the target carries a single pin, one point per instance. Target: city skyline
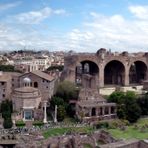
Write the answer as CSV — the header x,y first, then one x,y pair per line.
x,y
82,26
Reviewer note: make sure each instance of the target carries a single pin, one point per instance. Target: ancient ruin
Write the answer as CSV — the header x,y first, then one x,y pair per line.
x,y
102,73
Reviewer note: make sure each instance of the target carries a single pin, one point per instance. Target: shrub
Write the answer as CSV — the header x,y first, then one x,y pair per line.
x,y
118,123
20,123
38,123
102,125
7,123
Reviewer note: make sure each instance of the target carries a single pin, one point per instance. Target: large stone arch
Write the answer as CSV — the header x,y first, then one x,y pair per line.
x,y
87,70
137,71
114,73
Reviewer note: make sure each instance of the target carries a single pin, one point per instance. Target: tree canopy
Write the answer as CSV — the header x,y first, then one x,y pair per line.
x,y
127,107
67,90
59,67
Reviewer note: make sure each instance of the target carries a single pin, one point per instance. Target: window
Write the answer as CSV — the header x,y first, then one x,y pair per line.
x,y
28,115
36,84
3,95
3,83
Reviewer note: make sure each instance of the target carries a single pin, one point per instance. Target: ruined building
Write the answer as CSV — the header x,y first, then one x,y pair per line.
x,y
102,73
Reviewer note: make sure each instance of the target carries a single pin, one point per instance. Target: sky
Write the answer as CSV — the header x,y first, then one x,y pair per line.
x,y
78,25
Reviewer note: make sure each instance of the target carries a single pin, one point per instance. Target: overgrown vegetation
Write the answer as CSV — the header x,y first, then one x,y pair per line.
x,y
127,106
57,67
6,110
66,130
65,92
20,123
138,130
8,68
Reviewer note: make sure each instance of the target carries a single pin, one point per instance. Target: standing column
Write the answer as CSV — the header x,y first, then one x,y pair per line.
x,y
101,75
90,112
126,78
103,110
55,115
45,114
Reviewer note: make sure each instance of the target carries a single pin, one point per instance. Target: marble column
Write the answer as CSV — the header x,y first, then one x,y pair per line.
x,y
55,114
103,110
45,113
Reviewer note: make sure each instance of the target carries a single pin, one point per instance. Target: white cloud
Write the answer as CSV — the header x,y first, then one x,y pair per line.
x,y
140,12
6,6
35,17
112,32
115,32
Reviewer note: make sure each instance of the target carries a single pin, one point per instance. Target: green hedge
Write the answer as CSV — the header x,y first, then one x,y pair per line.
x,y
20,123
38,123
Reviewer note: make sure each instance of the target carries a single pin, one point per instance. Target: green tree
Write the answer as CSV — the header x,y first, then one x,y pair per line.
x,y
56,101
67,90
117,97
121,111
59,67
61,113
6,108
132,110
143,103
127,107
7,123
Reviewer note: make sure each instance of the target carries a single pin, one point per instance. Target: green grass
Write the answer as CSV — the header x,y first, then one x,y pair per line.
x,y
131,132
87,145
60,131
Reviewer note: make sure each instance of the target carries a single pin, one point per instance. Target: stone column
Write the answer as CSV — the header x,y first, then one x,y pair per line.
x,y
55,114
97,111
45,114
103,110
126,77
101,75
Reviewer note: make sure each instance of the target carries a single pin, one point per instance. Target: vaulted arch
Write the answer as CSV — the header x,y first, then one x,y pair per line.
x,y
137,72
114,73
87,71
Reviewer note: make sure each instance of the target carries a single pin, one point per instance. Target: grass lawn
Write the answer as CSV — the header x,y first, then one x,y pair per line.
x,y
87,145
60,131
131,132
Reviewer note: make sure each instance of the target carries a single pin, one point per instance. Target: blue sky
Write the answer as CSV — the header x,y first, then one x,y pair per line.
x,y
79,25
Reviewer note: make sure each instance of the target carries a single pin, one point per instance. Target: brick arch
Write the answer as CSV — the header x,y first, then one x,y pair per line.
x,y
89,75
136,60
88,58
121,60
114,72
137,71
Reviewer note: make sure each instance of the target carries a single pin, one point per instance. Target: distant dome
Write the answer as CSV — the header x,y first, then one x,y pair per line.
x,y
27,80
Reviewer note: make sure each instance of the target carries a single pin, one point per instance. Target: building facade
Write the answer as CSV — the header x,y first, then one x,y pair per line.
x,y
42,81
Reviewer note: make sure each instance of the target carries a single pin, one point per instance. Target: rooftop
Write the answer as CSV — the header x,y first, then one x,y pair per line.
x,y
26,89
